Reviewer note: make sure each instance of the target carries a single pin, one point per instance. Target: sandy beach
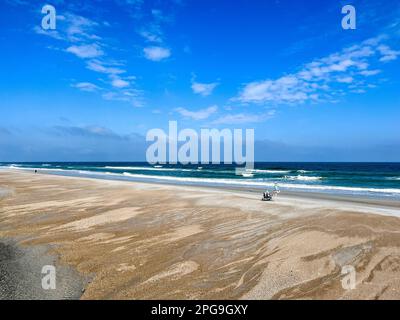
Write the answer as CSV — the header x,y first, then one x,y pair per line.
x,y
154,241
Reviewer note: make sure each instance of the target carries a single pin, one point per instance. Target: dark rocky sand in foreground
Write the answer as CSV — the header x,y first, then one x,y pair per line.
x,y
21,274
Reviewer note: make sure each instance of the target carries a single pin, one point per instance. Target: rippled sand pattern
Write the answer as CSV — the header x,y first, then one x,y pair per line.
x,y
141,241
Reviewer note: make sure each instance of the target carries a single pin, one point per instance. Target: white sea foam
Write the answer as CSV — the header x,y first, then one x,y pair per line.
x,y
304,178
270,171
259,183
247,174
87,172
232,182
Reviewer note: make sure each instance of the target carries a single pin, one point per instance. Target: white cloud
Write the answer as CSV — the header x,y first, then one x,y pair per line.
x,y
345,79
111,96
321,79
204,89
86,86
150,36
387,53
78,33
199,114
286,89
368,73
119,83
98,66
129,95
80,28
156,53
50,33
72,28
152,30
86,50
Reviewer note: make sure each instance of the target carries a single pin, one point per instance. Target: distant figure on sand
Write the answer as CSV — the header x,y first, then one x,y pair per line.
x,y
276,189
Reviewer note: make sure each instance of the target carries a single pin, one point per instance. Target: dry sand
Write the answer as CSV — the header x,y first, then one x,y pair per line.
x,y
149,241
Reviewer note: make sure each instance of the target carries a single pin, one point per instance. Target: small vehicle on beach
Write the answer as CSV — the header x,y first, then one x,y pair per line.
x,y
268,196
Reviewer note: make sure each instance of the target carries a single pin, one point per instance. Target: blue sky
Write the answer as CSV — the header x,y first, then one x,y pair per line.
x,y
112,70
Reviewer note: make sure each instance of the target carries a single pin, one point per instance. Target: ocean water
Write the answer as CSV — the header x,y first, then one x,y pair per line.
x,y
362,179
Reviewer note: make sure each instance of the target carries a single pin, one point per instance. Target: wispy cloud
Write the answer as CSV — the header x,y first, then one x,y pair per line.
x,y
387,53
151,36
119,83
368,73
104,67
151,30
81,35
80,28
86,86
50,33
345,79
204,89
322,79
86,50
72,28
156,53
199,114
129,95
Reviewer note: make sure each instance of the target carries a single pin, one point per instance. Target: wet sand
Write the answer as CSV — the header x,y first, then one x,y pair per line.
x,y
149,241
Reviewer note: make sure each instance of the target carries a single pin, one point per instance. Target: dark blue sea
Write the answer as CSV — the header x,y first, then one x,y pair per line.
x,y
363,179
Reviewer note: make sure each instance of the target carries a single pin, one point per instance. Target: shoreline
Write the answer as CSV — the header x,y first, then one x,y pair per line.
x,y
333,191
374,201
157,241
